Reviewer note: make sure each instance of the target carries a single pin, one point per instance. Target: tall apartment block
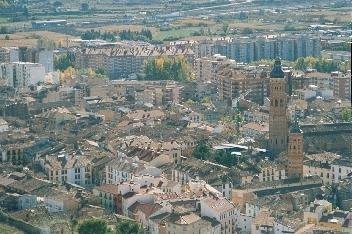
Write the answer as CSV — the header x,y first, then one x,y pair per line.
x,y
20,75
121,62
30,55
246,50
233,81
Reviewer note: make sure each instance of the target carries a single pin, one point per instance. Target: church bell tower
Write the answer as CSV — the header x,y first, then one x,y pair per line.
x,y
278,122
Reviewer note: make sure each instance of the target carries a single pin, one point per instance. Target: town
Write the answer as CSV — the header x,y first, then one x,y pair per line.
x,y
170,117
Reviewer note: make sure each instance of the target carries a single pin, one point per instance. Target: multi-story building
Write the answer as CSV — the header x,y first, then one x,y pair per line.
x,y
306,45
13,152
75,169
9,54
46,58
21,75
246,50
120,170
286,48
107,194
31,55
123,61
241,50
207,67
233,81
264,49
330,170
341,85
278,121
222,210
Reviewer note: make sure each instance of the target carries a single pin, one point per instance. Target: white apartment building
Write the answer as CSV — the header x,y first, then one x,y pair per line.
x,y
330,172
21,75
223,211
75,169
122,169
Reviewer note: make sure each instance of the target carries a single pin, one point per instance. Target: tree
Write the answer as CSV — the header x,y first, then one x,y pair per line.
x,y
243,15
225,27
320,64
62,62
93,226
67,75
238,121
144,35
300,64
7,37
4,30
57,4
84,7
225,158
247,31
126,226
100,71
164,68
346,114
289,27
202,150
46,43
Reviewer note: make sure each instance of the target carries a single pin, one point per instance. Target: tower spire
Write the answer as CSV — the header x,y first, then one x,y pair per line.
x,y
277,71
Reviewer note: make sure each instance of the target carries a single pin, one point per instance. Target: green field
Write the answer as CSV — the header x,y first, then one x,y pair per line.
x,y
175,33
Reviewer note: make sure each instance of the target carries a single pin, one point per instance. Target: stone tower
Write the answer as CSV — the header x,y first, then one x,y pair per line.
x,y
278,123
295,151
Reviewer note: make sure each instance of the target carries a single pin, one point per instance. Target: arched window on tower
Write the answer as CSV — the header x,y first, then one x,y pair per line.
x,y
276,102
281,102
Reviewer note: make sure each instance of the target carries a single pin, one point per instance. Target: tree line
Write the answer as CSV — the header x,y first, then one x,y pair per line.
x,y
94,35
320,64
164,68
143,35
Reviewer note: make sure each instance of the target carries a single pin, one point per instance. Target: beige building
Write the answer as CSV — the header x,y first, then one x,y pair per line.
x,y
341,85
107,194
189,224
207,67
221,209
233,81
